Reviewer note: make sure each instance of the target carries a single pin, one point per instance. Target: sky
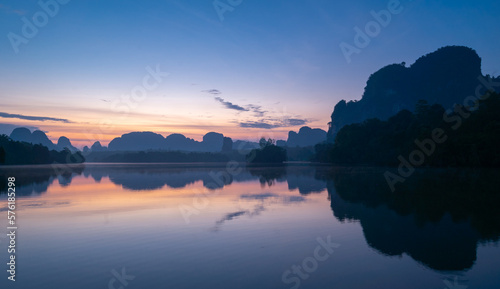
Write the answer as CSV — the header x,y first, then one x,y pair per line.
x,y
93,70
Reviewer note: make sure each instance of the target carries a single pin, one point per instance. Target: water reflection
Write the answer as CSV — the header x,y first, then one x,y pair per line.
x,y
438,217
35,180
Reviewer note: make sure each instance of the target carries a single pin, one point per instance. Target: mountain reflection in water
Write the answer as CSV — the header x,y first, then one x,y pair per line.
x,y
438,216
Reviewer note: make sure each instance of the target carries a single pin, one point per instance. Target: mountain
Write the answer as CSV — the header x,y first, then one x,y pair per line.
x,y
446,76
430,137
227,144
137,141
143,141
37,137
212,142
14,152
97,147
21,134
63,143
305,137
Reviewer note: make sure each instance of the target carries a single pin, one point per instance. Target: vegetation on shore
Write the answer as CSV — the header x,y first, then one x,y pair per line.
x,y
268,152
466,136
23,153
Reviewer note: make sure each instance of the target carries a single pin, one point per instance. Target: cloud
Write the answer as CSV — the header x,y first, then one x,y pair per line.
x,y
28,117
230,105
227,104
267,120
257,124
270,124
296,121
257,109
212,91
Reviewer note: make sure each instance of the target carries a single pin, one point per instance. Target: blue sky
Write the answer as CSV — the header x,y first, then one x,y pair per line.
x,y
278,61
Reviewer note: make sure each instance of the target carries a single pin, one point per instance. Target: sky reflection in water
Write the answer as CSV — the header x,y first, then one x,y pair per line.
x,y
75,228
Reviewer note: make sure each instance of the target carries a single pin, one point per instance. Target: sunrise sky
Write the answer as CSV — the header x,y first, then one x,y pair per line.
x,y
261,68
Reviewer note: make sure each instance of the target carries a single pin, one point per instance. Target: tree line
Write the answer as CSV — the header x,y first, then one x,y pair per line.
x,y
23,153
469,136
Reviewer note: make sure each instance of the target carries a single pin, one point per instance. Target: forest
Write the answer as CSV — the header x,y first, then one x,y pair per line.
x,y
23,153
430,136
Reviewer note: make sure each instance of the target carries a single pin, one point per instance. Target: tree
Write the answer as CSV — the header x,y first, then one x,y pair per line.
x,y
2,155
267,153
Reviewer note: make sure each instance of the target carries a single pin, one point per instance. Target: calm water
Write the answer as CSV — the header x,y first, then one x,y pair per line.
x,y
195,227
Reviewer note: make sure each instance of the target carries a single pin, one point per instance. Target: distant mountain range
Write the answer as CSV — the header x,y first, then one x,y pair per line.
x,y
305,137
446,76
144,141
39,137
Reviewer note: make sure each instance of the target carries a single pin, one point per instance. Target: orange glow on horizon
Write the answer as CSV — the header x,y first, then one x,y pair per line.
x,y
81,134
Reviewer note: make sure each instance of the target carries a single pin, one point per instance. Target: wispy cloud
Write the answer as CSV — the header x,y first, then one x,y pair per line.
x,y
270,124
261,118
212,91
226,104
295,121
29,117
257,109
257,124
230,105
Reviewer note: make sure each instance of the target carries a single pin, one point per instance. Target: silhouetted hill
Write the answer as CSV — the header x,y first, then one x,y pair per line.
x,y
466,137
37,137
144,141
24,153
138,141
227,144
97,147
21,134
305,137
446,76
63,143
212,142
